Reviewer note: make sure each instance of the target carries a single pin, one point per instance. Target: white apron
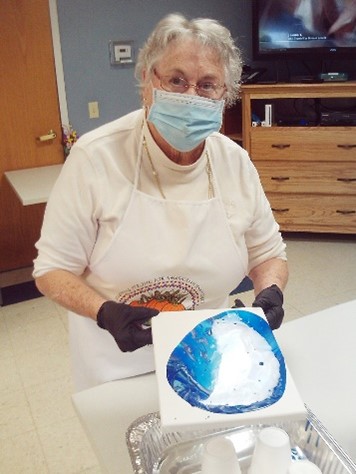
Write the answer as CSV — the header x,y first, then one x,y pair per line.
x,y
182,254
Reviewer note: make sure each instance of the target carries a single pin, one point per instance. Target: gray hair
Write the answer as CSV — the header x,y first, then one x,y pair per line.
x,y
210,33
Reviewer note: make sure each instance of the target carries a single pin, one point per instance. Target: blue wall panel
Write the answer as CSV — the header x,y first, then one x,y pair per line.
x,y
87,27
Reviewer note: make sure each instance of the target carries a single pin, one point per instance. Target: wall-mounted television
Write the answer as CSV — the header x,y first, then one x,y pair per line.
x,y
304,29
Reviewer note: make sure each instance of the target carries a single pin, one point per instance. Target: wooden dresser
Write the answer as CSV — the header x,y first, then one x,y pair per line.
x,y
308,171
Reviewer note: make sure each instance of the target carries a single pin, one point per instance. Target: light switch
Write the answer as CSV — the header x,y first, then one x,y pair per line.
x,y
93,108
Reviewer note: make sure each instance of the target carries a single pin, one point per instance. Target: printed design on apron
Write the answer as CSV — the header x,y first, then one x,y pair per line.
x,y
170,293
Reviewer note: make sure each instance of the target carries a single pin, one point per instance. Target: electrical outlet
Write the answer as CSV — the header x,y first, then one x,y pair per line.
x,y
93,108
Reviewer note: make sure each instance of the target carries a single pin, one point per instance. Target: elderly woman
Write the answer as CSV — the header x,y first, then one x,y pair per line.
x,y
157,210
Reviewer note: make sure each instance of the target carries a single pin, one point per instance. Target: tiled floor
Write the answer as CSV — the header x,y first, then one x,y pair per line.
x,y
39,430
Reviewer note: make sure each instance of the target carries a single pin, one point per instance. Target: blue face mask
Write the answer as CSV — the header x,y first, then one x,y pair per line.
x,y
185,120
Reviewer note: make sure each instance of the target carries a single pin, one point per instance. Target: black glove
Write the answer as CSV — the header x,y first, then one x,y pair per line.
x,y
238,304
271,300
124,323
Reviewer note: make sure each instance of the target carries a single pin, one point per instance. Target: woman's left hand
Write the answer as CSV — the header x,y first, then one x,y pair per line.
x,y
271,301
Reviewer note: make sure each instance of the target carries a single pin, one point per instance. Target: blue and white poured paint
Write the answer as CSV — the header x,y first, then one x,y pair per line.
x,y
229,363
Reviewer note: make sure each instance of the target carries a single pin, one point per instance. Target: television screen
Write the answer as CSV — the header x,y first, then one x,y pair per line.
x,y
304,27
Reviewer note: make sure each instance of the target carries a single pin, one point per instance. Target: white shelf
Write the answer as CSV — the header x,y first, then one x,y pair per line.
x,y
33,185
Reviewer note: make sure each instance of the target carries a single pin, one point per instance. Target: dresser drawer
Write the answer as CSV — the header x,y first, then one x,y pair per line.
x,y
308,177
303,144
314,213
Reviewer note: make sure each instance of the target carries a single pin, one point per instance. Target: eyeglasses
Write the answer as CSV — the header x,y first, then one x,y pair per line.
x,y
207,89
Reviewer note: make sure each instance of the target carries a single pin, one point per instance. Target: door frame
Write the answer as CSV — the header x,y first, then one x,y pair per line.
x,y
56,39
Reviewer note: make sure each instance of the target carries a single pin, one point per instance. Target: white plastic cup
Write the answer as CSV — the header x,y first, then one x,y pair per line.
x,y
219,457
304,467
272,454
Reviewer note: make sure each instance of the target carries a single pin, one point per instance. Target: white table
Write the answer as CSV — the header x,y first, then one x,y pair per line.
x,y
33,185
320,351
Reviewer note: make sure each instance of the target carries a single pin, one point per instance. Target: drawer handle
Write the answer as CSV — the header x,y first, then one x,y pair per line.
x,y
345,211
280,178
346,180
280,146
283,209
346,146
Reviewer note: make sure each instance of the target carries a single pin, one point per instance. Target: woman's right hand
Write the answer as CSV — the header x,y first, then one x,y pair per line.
x,y
126,324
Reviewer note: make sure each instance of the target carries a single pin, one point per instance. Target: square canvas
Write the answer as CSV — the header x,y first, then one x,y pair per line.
x,y
219,369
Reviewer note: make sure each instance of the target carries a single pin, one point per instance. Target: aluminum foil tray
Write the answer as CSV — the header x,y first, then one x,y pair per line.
x,y
154,452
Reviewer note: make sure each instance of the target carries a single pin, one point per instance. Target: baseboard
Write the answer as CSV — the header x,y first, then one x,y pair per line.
x,y
17,293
